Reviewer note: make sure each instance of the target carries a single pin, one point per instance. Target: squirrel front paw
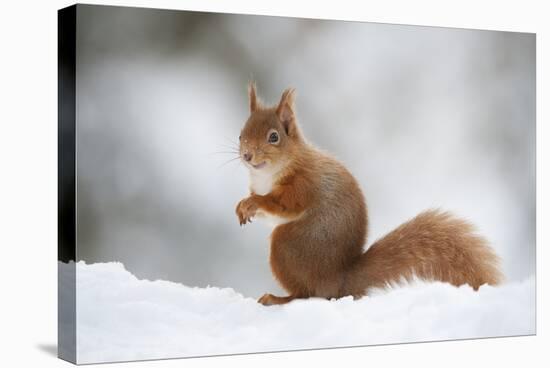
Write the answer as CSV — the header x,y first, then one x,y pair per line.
x,y
246,209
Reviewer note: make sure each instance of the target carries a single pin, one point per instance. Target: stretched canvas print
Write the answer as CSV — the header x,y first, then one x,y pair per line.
x,y
237,184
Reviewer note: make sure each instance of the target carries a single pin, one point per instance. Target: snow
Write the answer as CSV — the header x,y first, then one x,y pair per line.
x,y
120,317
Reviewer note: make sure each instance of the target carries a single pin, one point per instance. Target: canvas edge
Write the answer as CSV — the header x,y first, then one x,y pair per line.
x,y
66,227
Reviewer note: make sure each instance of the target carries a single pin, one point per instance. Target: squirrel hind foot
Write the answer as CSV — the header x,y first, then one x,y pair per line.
x,y
270,299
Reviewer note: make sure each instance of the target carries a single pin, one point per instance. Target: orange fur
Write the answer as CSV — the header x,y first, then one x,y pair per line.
x,y
317,247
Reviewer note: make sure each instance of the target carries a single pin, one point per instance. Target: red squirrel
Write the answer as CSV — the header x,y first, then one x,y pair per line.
x,y
320,219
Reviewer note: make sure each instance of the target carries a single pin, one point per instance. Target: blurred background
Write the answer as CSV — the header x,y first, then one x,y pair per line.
x,y
423,116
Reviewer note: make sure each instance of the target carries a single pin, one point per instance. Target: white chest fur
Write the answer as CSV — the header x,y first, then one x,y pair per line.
x,y
262,183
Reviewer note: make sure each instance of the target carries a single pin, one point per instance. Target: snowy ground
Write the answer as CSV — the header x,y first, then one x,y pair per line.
x,y
120,317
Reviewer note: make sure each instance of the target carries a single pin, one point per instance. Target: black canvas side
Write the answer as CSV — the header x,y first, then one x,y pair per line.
x,y
66,227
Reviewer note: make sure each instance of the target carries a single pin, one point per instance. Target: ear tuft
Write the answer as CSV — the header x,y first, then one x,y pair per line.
x,y
252,99
285,110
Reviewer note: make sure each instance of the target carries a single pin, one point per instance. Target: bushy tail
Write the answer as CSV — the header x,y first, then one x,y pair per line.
x,y
432,246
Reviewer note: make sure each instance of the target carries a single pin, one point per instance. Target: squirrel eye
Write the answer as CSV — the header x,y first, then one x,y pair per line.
x,y
273,137
239,137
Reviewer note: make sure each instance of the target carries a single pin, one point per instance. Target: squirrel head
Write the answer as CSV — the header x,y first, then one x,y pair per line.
x,y
271,135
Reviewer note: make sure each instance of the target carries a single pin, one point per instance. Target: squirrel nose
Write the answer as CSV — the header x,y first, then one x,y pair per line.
x,y
247,157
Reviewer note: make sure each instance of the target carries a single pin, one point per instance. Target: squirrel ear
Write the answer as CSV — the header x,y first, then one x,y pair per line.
x,y
285,110
252,99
